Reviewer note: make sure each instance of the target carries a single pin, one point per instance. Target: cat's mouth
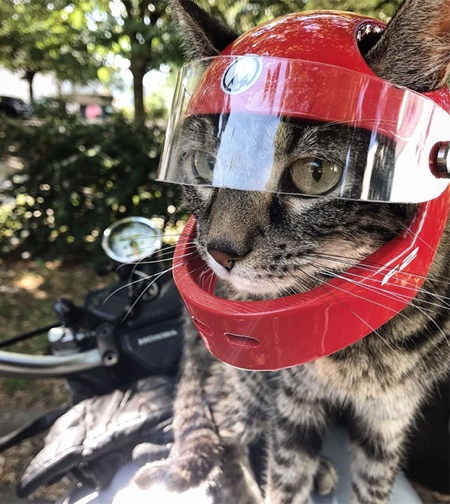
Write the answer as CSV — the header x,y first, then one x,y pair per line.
x,y
252,286
248,282
314,269
243,282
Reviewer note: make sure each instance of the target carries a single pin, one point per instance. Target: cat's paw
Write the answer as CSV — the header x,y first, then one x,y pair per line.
x,y
186,468
325,479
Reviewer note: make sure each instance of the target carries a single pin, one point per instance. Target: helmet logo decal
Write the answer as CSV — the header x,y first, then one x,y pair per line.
x,y
399,267
241,74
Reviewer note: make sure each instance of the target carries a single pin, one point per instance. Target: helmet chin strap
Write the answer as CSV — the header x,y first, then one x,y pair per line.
x,y
292,330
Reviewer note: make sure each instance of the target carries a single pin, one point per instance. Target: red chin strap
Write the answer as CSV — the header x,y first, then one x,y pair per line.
x,y
292,330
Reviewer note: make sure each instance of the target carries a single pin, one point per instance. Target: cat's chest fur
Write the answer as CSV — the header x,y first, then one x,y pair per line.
x,y
368,378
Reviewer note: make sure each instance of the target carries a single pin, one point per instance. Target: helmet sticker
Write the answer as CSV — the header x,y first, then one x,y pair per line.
x,y
241,74
399,267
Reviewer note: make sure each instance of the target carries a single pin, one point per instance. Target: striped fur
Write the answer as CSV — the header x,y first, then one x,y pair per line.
x,y
288,244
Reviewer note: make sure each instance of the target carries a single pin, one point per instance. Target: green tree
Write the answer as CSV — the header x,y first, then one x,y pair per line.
x,y
243,14
141,32
77,179
42,37
382,9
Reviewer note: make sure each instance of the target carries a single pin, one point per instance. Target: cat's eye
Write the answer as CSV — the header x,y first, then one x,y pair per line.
x,y
203,165
314,176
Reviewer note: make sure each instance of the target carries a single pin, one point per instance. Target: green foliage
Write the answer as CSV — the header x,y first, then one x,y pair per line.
x,y
42,37
77,179
381,9
139,31
244,14
80,41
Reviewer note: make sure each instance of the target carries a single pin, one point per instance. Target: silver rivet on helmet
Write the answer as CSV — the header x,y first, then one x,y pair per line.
x,y
443,159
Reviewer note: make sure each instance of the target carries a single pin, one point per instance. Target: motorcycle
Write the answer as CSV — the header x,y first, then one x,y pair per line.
x,y
119,355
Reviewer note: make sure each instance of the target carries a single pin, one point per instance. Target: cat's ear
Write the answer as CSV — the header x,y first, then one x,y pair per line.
x,y
414,51
202,34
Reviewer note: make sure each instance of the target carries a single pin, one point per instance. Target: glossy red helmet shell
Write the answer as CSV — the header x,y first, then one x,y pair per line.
x,y
284,332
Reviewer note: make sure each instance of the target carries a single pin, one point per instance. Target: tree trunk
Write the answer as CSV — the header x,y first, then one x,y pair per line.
x,y
29,76
137,67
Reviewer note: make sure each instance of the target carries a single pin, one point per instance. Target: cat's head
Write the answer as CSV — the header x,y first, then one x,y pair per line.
x,y
267,244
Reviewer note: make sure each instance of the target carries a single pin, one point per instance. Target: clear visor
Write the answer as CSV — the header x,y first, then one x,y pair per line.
x,y
298,127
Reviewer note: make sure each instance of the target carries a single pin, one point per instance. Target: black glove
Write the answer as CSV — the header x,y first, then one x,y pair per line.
x,y
98,435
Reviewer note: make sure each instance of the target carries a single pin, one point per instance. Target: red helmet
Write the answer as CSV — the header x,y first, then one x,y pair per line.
x,y
281,69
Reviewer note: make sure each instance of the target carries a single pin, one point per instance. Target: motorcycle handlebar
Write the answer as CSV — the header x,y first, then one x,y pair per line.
x,y
47,366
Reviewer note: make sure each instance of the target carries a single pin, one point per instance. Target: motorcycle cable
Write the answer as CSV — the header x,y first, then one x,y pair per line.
x,y
27,335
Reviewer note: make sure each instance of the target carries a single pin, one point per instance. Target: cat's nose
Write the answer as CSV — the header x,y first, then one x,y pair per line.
x,y
225,259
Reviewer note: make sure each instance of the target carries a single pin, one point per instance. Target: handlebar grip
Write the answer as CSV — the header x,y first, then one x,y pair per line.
x,y
47,366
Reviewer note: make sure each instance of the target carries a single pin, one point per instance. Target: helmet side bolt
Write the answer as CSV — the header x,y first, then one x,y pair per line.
x,y
442,162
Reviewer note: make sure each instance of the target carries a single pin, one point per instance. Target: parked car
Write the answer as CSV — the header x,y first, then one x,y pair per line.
x,y
14,107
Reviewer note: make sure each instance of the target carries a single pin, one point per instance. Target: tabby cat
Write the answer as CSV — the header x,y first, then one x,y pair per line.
x,y
251,239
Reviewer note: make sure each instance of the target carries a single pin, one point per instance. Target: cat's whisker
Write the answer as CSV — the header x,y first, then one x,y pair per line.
x,y
374,288
172,235
434,322
162,256
168,250
406,286
326,288
144,276
156,277
348,262
375,267
406,228
211,281
418,304
386,293
139,249
203,271
206,276
398,297
166,258
139,280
